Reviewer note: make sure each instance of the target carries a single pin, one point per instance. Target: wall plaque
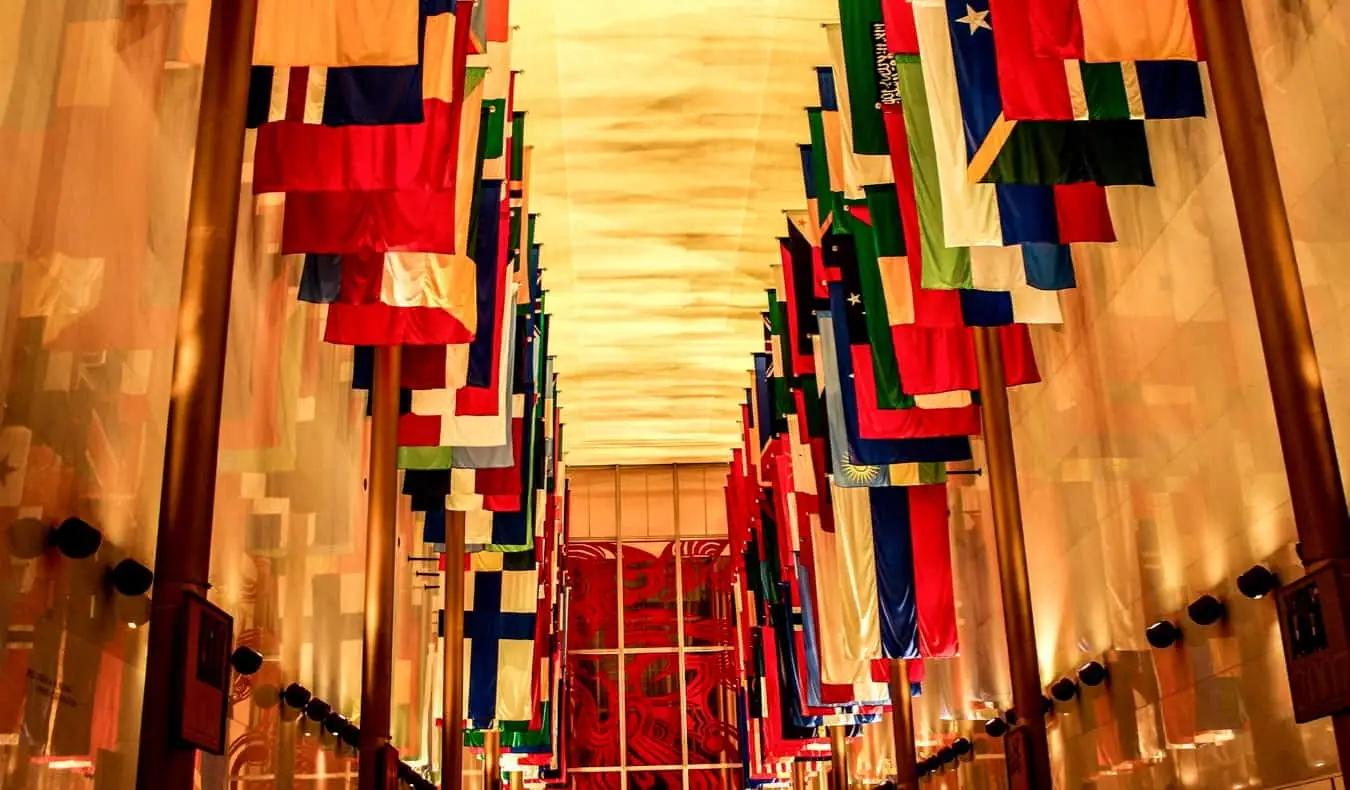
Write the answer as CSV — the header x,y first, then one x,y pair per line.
x,y
1313,626
206,637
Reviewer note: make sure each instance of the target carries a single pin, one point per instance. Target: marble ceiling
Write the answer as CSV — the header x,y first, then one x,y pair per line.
x,y
665,150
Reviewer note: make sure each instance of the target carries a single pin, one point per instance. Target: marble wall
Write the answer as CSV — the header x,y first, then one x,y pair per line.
x,y
1150,466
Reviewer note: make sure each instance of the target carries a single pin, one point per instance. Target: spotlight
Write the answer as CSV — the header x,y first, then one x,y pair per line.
x,y
335,722
76,538
351,735
1047,706
318,710
296,696
946,755
962,746
1163,634
996,728
1205,610
922,769
246,660
1010,716
1257,581
1093,673
405,774
131,578
1064,689
27,538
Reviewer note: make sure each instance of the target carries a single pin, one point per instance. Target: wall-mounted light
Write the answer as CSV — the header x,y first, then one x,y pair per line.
x,y
351,735
1163,634
1093,673
317,710
335,722
296,696
29,538
130,578
962,746
1205,610
246,660
995,728
946,755
1257,582
1064,689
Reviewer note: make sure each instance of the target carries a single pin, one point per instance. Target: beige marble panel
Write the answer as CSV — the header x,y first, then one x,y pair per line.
x,y
665,147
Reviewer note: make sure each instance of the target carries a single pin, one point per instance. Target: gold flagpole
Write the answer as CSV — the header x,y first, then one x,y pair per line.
x,y
799,774
1010,542
492,760
187,494
517,780
452,685
902,727
377,664
838,758
1301,417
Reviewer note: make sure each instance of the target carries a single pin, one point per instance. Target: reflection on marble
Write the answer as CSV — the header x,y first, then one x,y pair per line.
x,y
1149,463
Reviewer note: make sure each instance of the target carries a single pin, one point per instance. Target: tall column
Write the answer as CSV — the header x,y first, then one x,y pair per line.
x,y
492,760
838,758
1315,490
902,727
1001,463
452,684
187,496
377,659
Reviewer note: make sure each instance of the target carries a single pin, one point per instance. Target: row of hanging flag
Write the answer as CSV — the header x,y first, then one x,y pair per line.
x,y
959,152
391,128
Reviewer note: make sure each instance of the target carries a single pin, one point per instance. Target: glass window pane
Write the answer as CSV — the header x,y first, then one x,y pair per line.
x,y
608,780
710,686
649,603
655,780
593,734
652,708
705,566
715,779
593,605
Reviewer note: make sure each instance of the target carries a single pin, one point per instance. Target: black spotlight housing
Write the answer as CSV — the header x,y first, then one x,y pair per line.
x,y
1010,716
1093,673
318,710
1257,582
334,723
946,755
962,747
1205,610
996,728
27,538
351,735
130,578
296,696
1163,634
246,660
923,769
1064,690
76,538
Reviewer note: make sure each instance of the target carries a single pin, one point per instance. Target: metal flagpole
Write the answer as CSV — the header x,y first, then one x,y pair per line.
x,y
799,774
452,685
1315,490
377,664
1001,462
838,758
902,727
492,760
187,495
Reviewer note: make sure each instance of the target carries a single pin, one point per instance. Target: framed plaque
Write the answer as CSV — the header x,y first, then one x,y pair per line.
x,y
206,638
1316,648
387,771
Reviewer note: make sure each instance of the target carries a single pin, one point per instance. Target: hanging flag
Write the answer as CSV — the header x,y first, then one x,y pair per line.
x,y
500,607
320,32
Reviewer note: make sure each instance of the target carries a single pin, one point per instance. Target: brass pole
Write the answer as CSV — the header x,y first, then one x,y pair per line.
x,y
1315,490
902,727
517,780
838,758
492,760
1001,462
452,684
377,660
188,490
799,775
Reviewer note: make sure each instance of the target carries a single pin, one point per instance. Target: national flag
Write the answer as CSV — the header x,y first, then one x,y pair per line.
x,y
500,608
1003,151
